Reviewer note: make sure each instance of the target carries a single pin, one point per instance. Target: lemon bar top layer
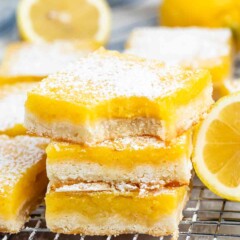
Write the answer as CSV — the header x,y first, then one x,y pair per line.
x,y
17,155
126,152
189,47
41,59
12,99
108,84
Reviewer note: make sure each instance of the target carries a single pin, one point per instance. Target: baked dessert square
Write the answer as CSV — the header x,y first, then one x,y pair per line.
x,y
108,95
189,47
12,100
25,61
103,209
130,159
23,179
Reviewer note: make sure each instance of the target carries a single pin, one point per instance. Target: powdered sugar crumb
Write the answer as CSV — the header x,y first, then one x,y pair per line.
x,y
121,187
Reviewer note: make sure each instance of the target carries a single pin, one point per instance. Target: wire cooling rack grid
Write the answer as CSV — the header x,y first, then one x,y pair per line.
x,y
206,217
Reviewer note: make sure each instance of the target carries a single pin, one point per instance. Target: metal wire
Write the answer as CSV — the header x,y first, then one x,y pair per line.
x,y
206,216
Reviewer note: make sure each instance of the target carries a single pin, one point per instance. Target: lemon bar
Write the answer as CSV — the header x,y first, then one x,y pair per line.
x,y
33,61
130,159
188,47
109,95
12,99
103,209
23,179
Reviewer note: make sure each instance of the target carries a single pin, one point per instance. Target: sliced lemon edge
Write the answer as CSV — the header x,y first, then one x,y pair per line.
x,y
200,168
104,22
101,36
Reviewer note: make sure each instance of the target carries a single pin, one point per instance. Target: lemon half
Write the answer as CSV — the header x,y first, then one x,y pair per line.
x,y
48,20
216,157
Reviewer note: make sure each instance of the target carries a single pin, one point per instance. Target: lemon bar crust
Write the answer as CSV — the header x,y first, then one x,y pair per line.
x,y
172,173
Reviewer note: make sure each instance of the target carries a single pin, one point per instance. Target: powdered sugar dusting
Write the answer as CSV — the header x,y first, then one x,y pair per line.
x,y
84,187
12,99
16,156
185,46
118,188
40,59
106,75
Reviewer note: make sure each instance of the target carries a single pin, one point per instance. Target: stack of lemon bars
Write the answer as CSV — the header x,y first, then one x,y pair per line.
x,y
119,160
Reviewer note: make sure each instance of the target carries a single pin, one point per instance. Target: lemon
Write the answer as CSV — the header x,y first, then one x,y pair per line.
x,y
216,157
48,20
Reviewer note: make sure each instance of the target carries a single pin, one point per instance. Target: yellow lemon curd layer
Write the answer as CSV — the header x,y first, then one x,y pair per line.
x,y
108,85
188,47
29,190
149,207
23,179
126,152
12,99
34,61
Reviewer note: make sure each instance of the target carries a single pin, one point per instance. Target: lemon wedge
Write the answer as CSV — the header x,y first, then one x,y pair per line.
x,y
216,157
48,20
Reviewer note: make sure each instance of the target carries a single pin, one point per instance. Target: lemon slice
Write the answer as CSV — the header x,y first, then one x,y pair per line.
x,y
48,20
216,157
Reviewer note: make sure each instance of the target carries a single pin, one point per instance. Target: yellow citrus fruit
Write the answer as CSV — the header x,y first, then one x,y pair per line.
x,y
203,13
48,20
216,157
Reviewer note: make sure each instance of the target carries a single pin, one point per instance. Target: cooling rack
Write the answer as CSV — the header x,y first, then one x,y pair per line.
x,y
206,216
